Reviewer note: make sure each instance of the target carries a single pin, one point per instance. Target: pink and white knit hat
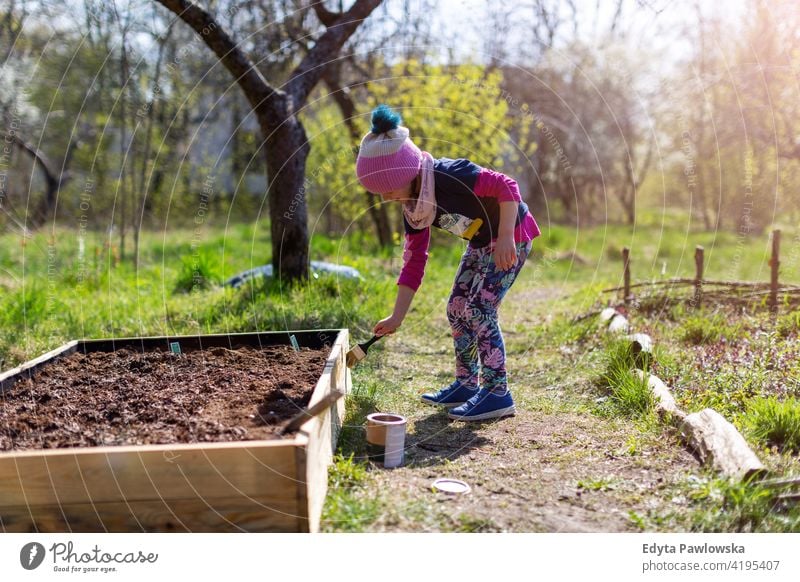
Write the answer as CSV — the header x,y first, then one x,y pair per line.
x,y
387,159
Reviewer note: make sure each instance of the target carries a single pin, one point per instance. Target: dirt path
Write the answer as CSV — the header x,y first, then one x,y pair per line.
x,y
555,466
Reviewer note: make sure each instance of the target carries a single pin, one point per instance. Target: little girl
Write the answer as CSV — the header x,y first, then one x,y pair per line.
x,y
476,204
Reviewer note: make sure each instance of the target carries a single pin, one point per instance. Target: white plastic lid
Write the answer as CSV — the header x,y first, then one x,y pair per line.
x,y
452,486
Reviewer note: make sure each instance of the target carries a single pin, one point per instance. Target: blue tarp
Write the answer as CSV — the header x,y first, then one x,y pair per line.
x,y
317,267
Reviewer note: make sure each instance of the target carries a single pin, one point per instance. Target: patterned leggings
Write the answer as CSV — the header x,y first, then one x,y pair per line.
x,y
478,288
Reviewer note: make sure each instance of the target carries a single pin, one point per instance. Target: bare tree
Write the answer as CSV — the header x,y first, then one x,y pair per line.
x,y
141,194
285,143
343,77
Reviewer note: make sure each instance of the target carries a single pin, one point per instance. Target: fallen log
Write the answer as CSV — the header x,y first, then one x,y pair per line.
x,y
665,402
717,443
777,483
640,342
641,348
607,315
619,324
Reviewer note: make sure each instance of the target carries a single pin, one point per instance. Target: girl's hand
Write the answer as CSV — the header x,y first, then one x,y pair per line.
x,y
387,326
505,253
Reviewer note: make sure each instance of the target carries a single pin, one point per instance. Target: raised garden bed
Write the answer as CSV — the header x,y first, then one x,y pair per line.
x,y
124,435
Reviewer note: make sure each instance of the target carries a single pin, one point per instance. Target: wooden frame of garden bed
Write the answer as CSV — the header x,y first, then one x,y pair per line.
x,y
259,485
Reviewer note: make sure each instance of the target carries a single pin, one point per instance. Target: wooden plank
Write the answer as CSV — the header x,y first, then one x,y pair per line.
x,y
699,254
302,521
344,383
718,444
234,514
29,368
323,404
335,376
317,458
774,264
106,474
626,258
306,338
777,483
323,431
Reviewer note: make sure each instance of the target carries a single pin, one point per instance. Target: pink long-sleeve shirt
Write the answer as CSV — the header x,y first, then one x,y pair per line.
x,y
465,192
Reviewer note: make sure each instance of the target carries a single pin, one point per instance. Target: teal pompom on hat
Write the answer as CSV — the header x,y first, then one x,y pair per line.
x,y
387,159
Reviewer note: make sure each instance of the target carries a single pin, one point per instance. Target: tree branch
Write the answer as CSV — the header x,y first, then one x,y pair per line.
x,y
310,69
38,159
260,94
326,17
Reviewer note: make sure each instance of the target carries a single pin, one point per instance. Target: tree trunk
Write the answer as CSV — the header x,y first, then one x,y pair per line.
x,y
123,153
699,163
144,180
286,153
237,167
629,197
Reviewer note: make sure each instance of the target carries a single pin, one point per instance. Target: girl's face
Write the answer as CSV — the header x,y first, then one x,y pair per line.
x,y
400,195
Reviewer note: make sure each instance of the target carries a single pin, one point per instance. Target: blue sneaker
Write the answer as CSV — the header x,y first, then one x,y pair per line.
x,y
484,406
454,395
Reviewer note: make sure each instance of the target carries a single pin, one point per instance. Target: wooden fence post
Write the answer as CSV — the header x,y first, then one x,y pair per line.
x,y
774,263
698,275
627,276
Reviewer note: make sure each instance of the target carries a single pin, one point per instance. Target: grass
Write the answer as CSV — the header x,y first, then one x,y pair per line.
x,y
726,506
566,331
59,295
629,394
728,376
361,402
199,271
789,324
350,504
774,423
704,329
598,484
717,505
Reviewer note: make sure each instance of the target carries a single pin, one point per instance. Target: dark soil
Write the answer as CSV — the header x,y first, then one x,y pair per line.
x,y
128,397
